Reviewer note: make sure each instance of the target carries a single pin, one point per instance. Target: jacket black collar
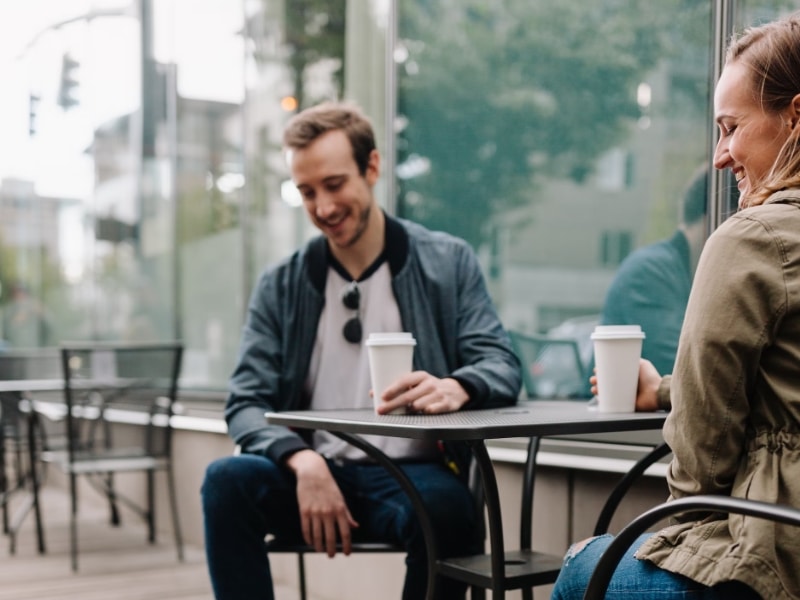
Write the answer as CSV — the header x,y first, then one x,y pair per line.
x,y
395,247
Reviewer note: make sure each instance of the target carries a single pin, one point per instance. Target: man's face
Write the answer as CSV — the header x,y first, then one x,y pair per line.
x,y
337,198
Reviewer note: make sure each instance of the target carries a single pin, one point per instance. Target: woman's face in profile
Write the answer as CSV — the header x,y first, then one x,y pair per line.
x,y
750,138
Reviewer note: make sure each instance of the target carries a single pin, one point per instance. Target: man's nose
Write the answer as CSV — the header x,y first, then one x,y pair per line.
x,y
325,205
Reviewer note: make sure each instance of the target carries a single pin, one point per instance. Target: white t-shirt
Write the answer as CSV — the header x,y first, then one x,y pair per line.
x,y
339,370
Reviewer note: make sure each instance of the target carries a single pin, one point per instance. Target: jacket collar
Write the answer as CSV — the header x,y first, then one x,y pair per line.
x,y
396,244
787,196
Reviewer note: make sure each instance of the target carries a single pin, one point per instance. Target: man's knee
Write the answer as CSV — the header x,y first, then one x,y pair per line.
x,y
218,480
234,477
222,471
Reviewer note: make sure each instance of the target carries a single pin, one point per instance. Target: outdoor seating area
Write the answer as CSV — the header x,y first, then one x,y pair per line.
x,y
109,553
117,559
357,299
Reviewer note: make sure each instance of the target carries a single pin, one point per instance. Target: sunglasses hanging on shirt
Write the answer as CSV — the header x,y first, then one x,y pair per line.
x,y
351,298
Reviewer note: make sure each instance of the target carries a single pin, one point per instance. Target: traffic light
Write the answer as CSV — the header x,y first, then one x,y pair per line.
x,y
69,83
33,105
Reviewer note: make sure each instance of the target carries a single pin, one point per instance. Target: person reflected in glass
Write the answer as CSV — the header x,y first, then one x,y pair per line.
x,y
302,347
734,392
26,323
651,286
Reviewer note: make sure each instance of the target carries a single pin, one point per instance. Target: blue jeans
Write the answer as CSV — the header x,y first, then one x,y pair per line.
x,y
248,496
636,578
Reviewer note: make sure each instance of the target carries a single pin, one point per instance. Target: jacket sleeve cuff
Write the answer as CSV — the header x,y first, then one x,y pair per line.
x,y
663,398
279,451
475,388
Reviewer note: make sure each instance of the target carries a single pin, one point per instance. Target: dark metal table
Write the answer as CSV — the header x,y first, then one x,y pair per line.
x,y
17,402
531,418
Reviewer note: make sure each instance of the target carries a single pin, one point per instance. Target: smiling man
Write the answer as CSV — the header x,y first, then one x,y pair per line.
x,y
302,348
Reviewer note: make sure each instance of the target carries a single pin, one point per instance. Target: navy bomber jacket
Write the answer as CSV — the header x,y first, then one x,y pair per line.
x,y
443,302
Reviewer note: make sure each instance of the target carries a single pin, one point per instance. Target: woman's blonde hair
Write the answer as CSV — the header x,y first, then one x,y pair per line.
x,y
772,53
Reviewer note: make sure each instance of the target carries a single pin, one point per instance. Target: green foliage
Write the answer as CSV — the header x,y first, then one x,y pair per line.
x,y
509,92
315,30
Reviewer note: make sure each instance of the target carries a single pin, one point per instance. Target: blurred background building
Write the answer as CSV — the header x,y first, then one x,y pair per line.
x,y
143,189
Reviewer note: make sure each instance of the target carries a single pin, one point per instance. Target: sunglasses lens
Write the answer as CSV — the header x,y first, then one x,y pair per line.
x,y
351,297
352,330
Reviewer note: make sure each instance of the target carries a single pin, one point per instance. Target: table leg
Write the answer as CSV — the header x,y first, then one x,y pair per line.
x,y
4,493
413,495
493,516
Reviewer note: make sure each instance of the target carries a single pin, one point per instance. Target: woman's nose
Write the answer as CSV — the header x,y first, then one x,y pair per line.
x,y
721,156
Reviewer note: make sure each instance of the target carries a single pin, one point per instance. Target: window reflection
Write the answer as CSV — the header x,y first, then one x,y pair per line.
x,y
571,129
142,186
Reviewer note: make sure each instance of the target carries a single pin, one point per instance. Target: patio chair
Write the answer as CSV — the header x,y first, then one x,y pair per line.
x,y
604,570
527,568
115,419
19,366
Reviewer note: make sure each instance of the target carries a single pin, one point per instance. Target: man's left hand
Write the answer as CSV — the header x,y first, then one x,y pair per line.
x,y
422,392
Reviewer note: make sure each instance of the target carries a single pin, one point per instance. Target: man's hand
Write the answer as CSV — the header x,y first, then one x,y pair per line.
x,y
422,392
323,512
647,390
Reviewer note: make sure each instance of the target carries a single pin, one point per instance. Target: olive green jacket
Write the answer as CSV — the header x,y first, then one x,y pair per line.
x,y
734,427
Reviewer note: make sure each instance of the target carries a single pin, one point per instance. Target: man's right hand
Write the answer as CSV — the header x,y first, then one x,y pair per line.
x,y
324,515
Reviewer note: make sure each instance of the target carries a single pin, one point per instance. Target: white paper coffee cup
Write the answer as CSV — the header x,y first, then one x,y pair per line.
x,y
617,350
391,355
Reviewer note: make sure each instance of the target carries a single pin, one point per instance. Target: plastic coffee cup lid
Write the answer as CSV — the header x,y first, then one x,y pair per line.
x,y
617,332
391,339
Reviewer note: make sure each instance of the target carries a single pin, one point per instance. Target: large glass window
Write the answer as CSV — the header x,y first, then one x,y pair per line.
x,y
570,143
143,189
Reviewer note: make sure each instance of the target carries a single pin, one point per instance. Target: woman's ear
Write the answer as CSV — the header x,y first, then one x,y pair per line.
x,y
793,112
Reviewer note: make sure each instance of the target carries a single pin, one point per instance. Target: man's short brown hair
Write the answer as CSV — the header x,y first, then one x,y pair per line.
x,y
308,125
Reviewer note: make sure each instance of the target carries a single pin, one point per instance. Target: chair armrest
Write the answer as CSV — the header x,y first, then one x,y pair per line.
x,y
608,562
625,484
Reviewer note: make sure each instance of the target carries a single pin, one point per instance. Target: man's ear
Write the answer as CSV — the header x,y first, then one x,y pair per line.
x,y
373,168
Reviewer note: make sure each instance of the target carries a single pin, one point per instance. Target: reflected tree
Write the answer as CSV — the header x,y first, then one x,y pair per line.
x,y
314,34
512,91
302,35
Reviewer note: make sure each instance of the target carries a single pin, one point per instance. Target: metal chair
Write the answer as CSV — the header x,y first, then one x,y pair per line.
x,y
524,568
15,471
624,485
604,570
527,568
107,384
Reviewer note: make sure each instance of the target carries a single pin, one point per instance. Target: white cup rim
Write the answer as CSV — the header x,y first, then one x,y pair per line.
x,y
618,336
390,335
617,332
389,340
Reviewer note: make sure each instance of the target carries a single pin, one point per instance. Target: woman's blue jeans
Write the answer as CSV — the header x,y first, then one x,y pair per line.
x,y
636,578
248,496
